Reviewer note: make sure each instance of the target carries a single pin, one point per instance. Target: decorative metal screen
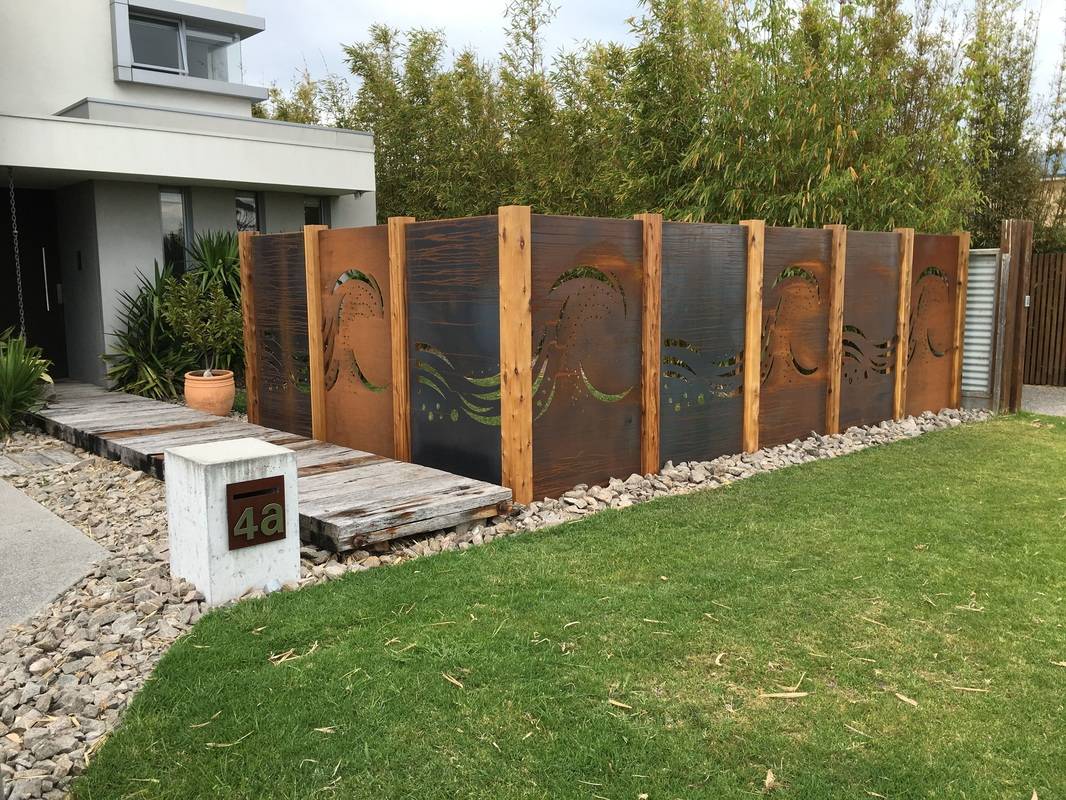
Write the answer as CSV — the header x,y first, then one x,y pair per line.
x,y
279,304
795,335
934,282
357,337
701,405
453,312
586,307
871,294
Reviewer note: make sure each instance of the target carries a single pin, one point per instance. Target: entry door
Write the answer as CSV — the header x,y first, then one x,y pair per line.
x,y
41,290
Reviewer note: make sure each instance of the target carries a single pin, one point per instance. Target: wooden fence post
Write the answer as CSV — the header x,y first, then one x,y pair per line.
x,y
251,361
903,317
651,339
315,347
837,264
401,378
963,271
516,350
756,229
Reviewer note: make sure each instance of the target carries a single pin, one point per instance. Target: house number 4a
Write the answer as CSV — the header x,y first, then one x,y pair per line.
x,y
271,523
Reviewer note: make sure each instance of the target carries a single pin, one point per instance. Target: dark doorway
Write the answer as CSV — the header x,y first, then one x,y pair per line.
x,y
42,293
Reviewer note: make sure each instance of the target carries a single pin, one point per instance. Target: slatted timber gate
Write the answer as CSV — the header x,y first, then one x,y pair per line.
x,y
1045,344
542,351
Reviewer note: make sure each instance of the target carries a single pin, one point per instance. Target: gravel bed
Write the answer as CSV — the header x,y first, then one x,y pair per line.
x,y
67,675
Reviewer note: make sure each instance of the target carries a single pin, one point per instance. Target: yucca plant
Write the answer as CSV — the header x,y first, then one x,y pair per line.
x,y
146,358
214,259
23,379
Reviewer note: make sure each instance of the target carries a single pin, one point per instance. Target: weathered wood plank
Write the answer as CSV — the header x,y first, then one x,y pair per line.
x,y
347,497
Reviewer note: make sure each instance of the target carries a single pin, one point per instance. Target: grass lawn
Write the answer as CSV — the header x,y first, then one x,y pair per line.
x,y
913,596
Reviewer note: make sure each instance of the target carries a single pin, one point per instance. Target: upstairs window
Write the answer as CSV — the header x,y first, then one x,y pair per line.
x,y
169,45
156,44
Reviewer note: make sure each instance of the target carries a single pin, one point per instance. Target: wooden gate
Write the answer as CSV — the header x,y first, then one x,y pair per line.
x,y
1045,340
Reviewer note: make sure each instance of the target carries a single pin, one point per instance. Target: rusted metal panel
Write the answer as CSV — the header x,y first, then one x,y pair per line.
x,y
357,338
454,331
703,295
586,296
932,322
280,309
795,334
871,293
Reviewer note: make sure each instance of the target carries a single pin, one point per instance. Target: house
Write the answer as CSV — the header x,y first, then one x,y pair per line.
x,y
129,129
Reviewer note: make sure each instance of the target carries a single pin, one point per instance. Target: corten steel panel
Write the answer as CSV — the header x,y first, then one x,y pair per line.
x,y
932,322
701,409
795,334
357,337
586,298
871,293
280,308
453,311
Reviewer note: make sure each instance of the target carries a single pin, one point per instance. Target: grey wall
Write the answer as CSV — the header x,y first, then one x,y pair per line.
x,y
281,212
129,237
353,210
213,209
76,220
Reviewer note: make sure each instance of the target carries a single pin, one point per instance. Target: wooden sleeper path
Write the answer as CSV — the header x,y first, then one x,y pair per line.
x,y
348,498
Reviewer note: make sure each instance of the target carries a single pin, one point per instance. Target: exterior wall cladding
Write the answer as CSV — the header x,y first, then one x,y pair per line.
x,y
107,136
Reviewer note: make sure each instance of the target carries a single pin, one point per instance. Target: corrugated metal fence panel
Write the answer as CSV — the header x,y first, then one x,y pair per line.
x,y
977,348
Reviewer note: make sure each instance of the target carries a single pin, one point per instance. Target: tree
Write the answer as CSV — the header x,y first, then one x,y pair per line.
x,y
1004,157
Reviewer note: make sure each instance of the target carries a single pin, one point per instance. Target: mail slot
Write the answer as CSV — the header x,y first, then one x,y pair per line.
x,y
256,511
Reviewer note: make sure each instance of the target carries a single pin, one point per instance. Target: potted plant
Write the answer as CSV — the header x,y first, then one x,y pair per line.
x,y
209,323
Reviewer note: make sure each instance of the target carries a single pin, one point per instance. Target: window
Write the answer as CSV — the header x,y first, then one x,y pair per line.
x,y
214,56
316,211
169,45
156,43
247,211
175,218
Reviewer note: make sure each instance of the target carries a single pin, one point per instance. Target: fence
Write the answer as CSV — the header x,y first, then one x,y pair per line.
x,y
1045,345
543,351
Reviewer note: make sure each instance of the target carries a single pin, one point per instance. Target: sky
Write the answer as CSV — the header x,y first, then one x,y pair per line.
x,y
310,32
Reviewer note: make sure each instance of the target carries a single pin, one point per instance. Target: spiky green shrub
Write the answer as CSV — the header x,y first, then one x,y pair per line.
x,y
214,258
23,379
146,358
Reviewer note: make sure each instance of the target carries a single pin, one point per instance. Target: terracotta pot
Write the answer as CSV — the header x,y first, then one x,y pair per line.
x,y
213,395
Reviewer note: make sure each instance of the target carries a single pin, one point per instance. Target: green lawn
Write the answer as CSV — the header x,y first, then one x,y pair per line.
x,y
915,594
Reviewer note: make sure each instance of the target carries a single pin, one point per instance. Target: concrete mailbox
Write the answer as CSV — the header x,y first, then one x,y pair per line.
x,y
232,516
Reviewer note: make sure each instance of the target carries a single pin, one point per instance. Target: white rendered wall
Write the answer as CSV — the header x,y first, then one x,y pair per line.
x,y
56,52
353,210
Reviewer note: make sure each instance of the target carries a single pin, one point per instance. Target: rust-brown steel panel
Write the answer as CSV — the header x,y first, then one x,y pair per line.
x,y
871,292
280,308
703,300
795,334
453,311
586,298
357,337
932,322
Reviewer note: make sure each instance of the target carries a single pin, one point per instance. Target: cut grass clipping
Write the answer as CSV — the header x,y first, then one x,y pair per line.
x,y
887,624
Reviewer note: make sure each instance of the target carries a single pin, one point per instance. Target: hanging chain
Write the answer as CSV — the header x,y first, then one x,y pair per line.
x,y
15,246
